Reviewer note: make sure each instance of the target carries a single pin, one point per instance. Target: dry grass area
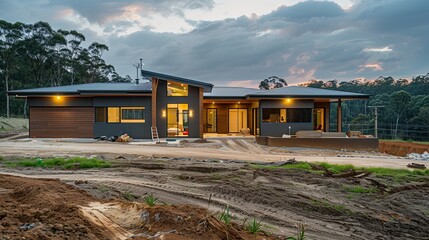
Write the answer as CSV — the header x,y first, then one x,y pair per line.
x,y
334,201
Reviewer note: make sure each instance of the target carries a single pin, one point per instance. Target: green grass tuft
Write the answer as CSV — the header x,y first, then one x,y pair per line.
x,y
360,189
226,216
150,200
254,226
69,163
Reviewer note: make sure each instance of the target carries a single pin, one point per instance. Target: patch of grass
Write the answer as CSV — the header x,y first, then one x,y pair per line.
x,y
150,200
216,176
254,226
299,165
396,174
360,189
129,195
1,158
66,163
225,216
103,189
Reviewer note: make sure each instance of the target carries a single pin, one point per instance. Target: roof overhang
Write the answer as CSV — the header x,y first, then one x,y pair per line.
x,y
207,87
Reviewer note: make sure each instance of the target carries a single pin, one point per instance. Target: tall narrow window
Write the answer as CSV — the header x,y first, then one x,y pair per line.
x,y
175,89
113,115
100,114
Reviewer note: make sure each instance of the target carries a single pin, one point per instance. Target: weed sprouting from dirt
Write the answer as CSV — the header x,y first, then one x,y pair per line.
x,y
129,195
150,200
103,189
254,226
65,163
300,235
225,216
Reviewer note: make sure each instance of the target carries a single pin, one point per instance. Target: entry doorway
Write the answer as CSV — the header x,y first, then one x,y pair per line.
x,y
237,119
211,123
319,119
177,120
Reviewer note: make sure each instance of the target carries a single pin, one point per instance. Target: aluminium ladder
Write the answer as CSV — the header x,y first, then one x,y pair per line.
x,y
155,137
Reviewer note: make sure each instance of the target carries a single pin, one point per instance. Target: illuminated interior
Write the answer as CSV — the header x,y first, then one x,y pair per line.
x,y
237,119
177,120
175,89
113,115
319,119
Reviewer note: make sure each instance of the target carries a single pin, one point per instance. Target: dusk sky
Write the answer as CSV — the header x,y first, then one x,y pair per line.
x,y
239,43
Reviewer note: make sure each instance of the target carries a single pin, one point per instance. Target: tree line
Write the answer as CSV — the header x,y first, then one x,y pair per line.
x,y
35,55
403,104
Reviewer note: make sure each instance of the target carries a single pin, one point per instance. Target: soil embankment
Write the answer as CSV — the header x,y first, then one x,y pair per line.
x,y
402,148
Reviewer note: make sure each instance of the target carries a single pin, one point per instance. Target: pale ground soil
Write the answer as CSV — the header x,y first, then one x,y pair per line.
x,y
191,172
224,149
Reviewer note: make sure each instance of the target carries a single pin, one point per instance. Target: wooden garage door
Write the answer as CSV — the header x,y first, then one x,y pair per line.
x,y
61,122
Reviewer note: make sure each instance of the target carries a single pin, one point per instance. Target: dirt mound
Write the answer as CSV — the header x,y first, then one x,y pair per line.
x,y
137,221
402,148
50,209
43,209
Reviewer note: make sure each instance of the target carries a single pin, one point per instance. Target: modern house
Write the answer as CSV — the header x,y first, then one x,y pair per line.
x,y
177,107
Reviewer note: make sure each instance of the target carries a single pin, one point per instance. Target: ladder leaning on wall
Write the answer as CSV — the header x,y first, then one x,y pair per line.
x,y
155,137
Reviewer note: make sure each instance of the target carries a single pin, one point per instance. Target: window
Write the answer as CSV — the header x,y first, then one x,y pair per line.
x,y
100,114
132,115
273,115
299,115
175,89
113,115
120,114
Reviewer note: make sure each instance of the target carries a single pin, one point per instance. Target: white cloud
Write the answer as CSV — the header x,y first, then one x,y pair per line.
x,y
384,49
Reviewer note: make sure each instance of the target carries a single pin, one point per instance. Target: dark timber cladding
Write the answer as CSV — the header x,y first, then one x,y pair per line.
x,y
67,122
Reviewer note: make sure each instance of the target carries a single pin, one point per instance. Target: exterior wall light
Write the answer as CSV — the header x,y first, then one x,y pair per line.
x,y
191,113
164,113
58,97
288,100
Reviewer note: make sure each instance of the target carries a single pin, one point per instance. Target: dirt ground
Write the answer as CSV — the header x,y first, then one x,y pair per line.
x,y
216,149
107,203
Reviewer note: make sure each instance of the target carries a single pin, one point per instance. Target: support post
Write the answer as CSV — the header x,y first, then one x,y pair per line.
x,y
154,91
339,116
200,103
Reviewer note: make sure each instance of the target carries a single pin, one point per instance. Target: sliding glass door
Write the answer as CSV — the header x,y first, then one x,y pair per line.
x,y
237,119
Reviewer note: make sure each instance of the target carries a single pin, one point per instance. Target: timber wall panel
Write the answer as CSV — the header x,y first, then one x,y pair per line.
x,y
61,122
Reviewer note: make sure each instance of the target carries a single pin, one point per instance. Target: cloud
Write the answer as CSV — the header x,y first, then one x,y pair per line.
x,y
297,41
384,49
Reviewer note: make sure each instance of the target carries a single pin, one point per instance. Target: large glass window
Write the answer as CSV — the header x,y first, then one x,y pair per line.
x,y
120,114
175,89
299,114
273,115
132,115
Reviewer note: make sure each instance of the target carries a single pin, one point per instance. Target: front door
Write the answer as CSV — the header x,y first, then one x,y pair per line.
x,y
319,119
237,119
177,120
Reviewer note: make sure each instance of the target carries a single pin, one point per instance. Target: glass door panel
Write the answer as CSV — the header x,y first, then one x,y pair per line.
x,y
177,120
237,119
211,123
319,119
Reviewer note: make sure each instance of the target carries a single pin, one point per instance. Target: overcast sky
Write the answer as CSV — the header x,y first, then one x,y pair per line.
x,y
240,42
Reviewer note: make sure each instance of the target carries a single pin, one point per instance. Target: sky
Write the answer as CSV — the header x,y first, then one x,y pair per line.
x,y
239,43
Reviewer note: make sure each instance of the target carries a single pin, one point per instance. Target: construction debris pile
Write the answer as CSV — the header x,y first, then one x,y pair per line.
x,y
123,138
415,156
